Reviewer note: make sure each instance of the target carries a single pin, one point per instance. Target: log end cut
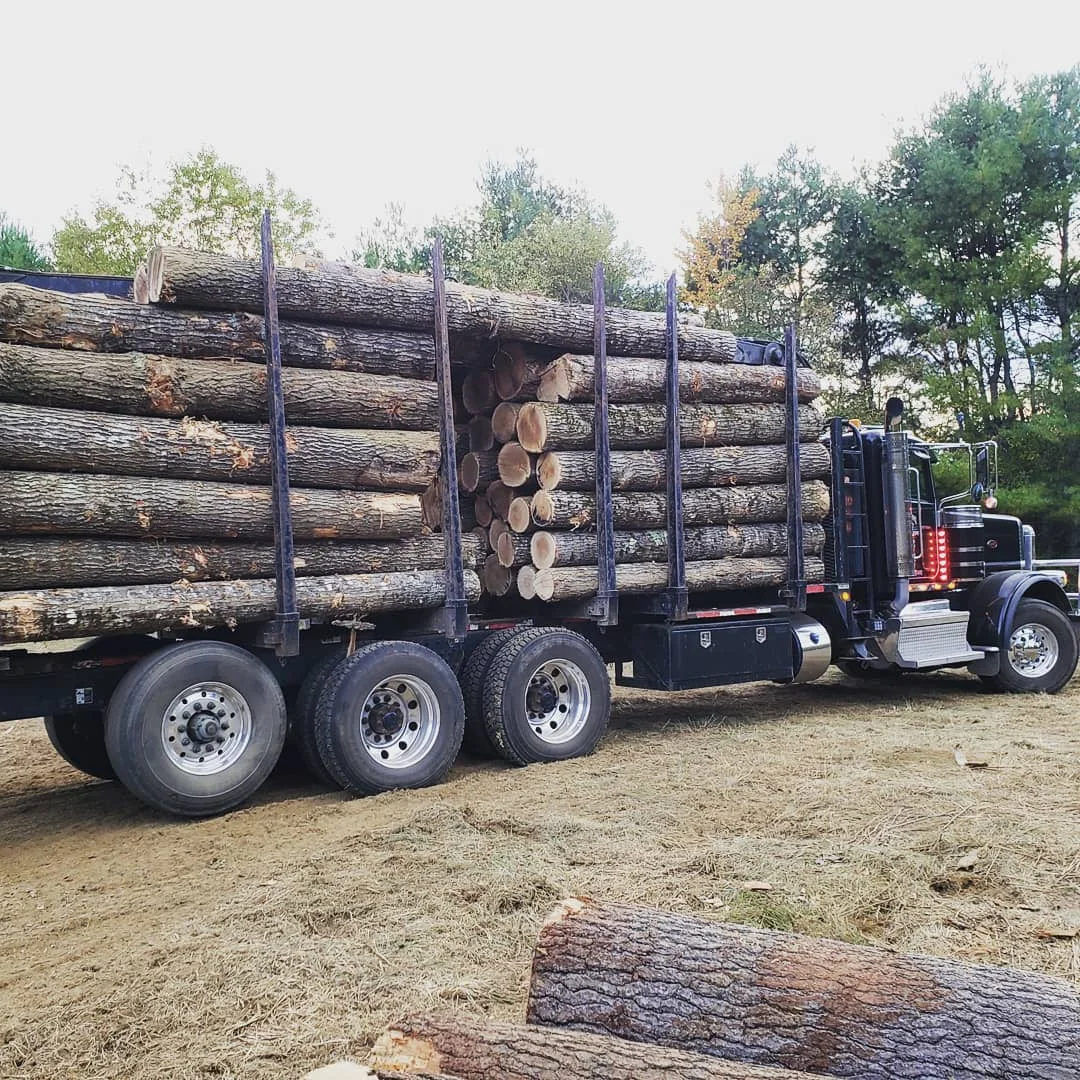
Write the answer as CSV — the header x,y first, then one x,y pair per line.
x,y
397,1051
518,516
532,427
515,465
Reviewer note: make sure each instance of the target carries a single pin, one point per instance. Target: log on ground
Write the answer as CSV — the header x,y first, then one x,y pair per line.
x,y
150,385
49,614
110,324
753,503
548,549
483,1049
40,503
56,563
642,427
798,1002
702,466
356,295
36,437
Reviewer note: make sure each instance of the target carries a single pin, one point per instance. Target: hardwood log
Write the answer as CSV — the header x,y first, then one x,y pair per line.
x,y
632,381
58,563
481,435
497,579
356,295
570,582
162,386
754,503
484,1049
520,517
641,427
110,324
431,506
482,511
71,440
798,1002
526,582
548,549
44,503
49,614
497,528
478,392
516,467
504,421
477,470
500,497
702,466
515,550
517,373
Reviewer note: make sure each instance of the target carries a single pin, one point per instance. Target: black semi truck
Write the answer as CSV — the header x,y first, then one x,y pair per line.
x,y
915,580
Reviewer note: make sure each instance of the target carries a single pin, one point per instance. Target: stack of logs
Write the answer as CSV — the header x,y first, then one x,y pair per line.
x,y
533,460
628,993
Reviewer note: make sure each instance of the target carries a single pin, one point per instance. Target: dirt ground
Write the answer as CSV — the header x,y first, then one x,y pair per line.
x,y
287,934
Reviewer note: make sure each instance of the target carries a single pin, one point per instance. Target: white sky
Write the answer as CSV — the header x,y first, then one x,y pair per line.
x,y
357,105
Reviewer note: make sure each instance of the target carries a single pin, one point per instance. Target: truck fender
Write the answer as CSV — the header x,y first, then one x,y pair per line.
x,y
993,603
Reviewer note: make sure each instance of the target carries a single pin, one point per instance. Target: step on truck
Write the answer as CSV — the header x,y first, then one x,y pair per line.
x,y
916,580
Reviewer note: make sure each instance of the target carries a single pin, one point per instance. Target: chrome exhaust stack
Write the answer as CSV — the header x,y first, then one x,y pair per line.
x,y
895,468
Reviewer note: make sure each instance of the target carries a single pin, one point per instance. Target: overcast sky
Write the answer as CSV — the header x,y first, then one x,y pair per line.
x,y
357,105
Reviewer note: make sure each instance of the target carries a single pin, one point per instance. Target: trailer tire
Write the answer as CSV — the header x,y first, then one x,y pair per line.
x,y
1038,651
168,762
302,729
477,741
390,716
547,697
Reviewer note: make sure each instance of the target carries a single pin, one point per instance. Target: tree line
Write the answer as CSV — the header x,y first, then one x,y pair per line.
x,y
949,271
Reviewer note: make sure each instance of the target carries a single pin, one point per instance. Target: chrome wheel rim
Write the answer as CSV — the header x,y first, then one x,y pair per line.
x,y
400,721
557,701
206,728
1033,650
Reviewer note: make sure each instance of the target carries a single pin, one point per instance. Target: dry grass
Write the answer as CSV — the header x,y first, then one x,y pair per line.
x,y
289,933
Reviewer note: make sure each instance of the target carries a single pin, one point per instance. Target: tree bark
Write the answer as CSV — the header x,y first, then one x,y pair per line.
x,y
483,1049
162,386
641,427
478,470
187,449
89,505
572,582
60,563
516,467
355,295
109,324
798,1002
517,372
702,466
632,381
497,579
504,421
514,550
548,549
701,506
143,609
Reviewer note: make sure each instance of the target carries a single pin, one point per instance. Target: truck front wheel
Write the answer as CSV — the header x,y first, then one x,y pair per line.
x,y
1038,651
195,728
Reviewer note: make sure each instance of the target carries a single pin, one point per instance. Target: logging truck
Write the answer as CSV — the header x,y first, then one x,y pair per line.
x,y
911,579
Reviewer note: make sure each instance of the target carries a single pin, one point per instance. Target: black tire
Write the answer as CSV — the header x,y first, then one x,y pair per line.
x,y
474,672
302,728
348,745
144,739
519,670
79,737
1012,676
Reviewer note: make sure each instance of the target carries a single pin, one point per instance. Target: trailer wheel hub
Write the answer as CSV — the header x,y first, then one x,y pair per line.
x,y
206,728
557,701
400,721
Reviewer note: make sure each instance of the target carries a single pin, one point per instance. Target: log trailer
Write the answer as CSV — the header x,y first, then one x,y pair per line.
x,y
193,723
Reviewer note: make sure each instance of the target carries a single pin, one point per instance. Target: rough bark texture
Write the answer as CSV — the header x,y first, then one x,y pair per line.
x,y
487,1050
90,505
702,466
59,563
514,550
109,324
782,999
504,421
641,427
162,386
548,549
142,609
476,470
572,582
516,466
72,440
630,381
701,506
356,295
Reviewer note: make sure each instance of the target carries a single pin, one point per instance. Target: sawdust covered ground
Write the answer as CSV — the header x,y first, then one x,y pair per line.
x,y
286,934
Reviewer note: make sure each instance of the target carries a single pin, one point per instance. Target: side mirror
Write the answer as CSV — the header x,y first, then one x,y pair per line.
x,y
982,473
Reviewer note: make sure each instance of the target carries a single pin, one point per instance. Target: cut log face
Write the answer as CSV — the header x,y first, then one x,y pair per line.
x,y
50,614
782,999
702,466
497,578
162,386
526,582
109,324
70,440
570,378
516,467
514,550
543,427
481,435
90,505
478,391
496,529
478,470
517,374
500,497
519,517
482,511
356,295
504,421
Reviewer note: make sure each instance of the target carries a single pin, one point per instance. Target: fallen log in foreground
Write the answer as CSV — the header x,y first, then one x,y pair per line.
x,y
802,1003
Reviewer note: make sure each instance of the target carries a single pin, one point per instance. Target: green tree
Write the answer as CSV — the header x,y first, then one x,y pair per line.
x,y
17,248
